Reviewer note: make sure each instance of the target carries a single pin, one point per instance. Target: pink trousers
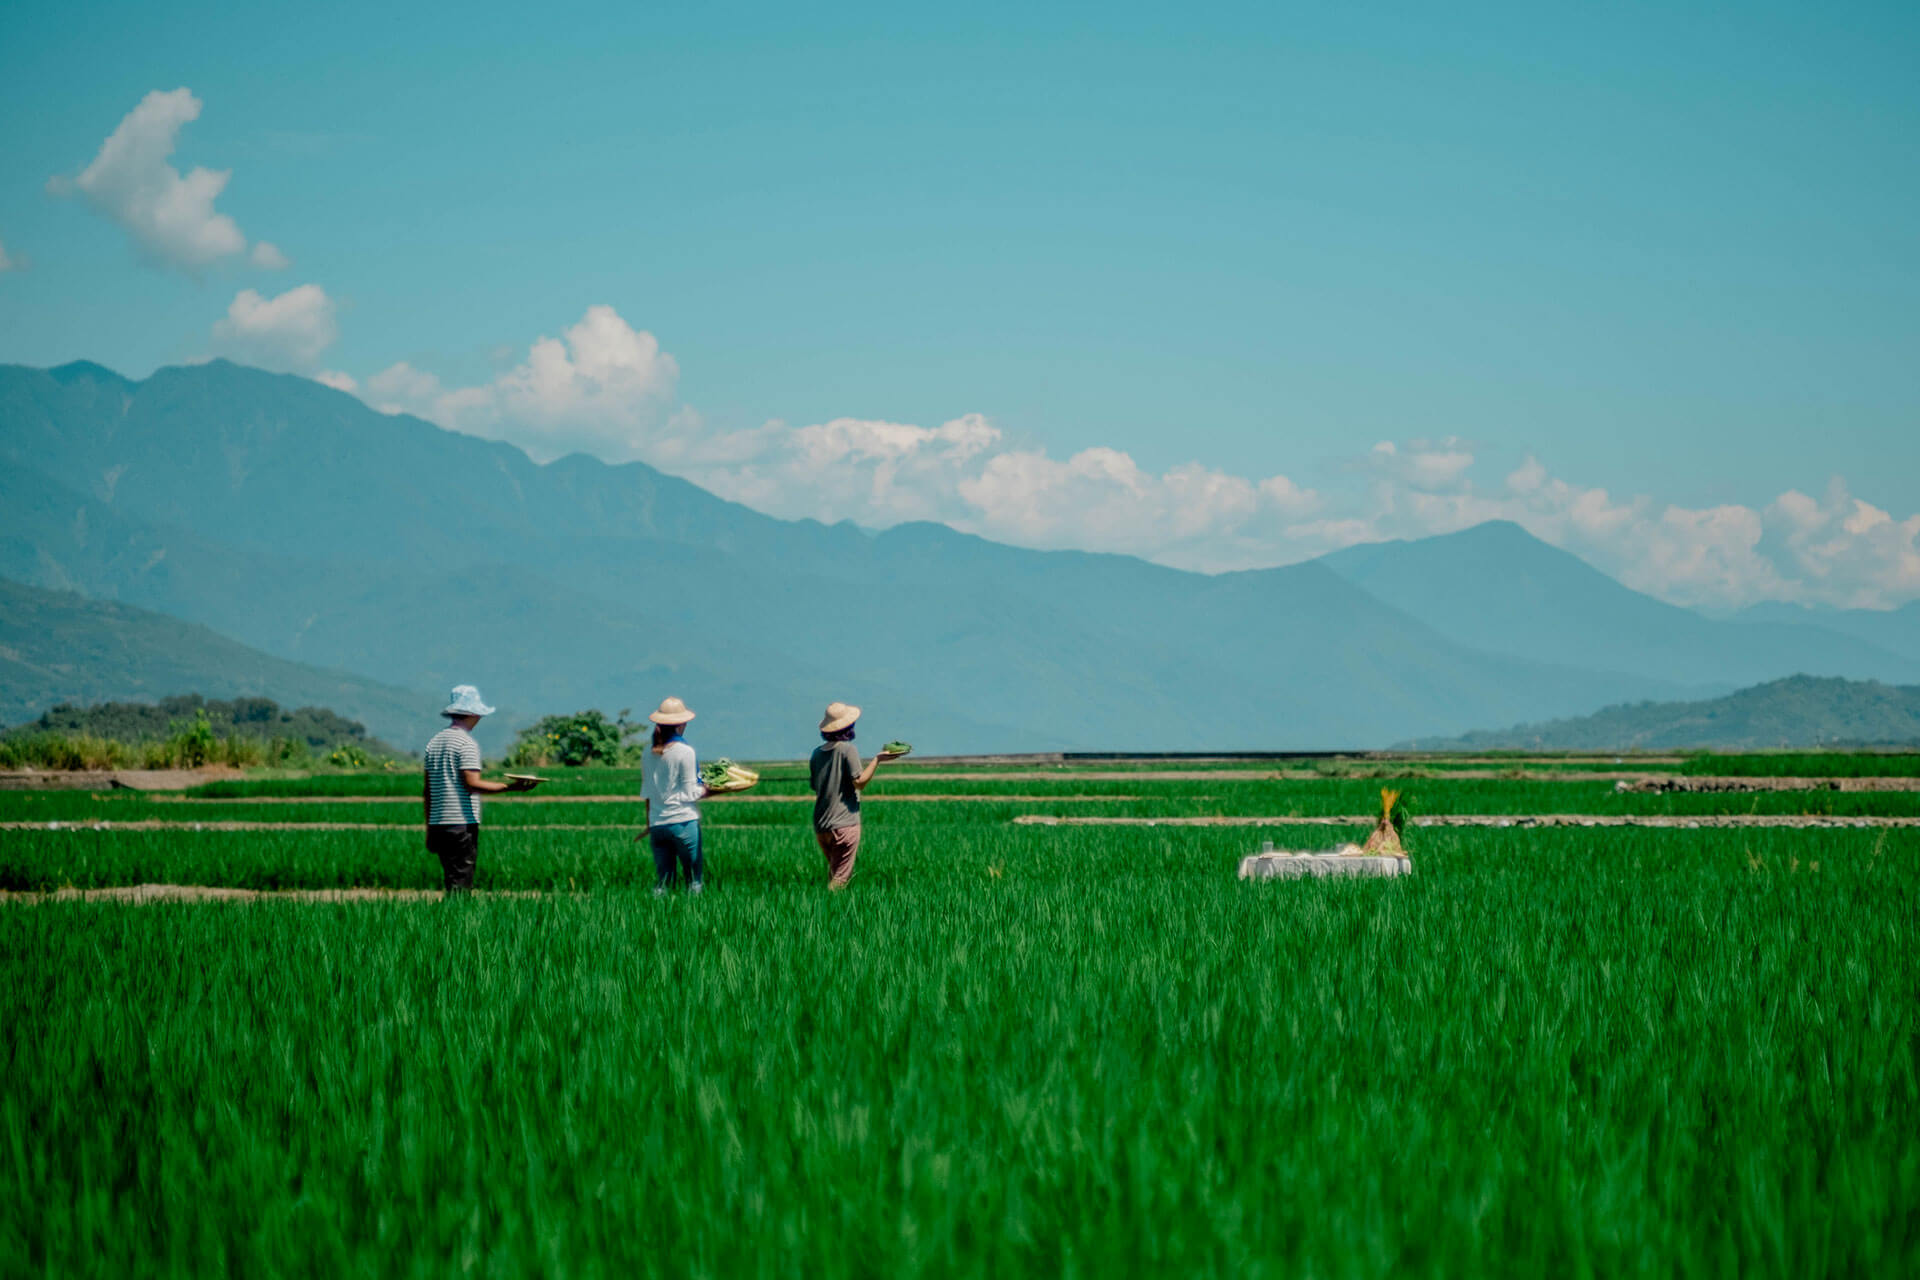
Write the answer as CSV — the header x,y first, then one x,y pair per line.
x,y
842,846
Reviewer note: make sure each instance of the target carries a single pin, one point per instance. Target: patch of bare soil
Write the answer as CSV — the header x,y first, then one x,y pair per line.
x,y
1355,759
1355,771
736,798
155,824
68,780
1509,760
145,894
105,779
1674,782
1681,821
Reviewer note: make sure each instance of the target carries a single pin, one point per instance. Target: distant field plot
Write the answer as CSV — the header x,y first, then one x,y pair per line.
x,y
1811,764
1008,1050
912,801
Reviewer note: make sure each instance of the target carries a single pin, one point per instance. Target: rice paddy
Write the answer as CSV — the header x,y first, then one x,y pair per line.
x,y
1011,1048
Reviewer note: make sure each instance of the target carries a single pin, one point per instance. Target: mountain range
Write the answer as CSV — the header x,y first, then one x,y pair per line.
x,y
1497,588
59,647
294,519
1897,630
1799,711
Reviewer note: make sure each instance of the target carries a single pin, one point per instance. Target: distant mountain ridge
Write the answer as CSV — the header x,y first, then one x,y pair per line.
x,y
56,647
260,718
1498,588
299,521
1895,630
1800,711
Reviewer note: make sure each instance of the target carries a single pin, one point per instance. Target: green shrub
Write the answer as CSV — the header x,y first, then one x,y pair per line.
x,y
349,756
64,751
259,719
585,737
193,743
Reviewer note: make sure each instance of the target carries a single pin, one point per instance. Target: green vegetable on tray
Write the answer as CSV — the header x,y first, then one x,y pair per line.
x,y
896,749
724,775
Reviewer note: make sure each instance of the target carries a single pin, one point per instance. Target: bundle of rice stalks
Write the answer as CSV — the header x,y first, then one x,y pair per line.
x,y
724,775
1386,832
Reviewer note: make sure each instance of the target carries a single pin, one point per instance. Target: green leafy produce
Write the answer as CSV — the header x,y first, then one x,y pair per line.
x,y
724,775
897,748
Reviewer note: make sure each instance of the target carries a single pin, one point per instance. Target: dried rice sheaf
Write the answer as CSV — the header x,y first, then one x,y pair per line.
x,y
1386,837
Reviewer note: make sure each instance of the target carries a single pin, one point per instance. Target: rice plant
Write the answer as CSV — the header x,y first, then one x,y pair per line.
x,y
1011,1050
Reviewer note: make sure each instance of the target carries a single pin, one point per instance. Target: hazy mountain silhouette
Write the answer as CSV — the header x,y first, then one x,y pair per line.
x,y
1498,588
1799,711
58,647
299,521
1895,630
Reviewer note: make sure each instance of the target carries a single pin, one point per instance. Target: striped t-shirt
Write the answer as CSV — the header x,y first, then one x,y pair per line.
x,y
449,802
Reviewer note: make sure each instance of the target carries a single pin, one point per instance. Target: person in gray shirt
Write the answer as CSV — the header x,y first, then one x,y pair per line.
x,y
838,779
451,792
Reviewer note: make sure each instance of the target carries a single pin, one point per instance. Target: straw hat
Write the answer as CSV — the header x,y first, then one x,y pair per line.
x,y
672,711
466,702
839,716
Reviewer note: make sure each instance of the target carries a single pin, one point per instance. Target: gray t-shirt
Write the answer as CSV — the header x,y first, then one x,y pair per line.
x,y
449,803
836,801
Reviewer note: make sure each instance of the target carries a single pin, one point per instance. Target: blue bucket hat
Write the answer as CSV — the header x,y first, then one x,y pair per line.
x,y
466,702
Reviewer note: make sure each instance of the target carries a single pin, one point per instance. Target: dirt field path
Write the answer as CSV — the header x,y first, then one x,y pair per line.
x,y
1622,781
1664,783
1681,821
144,894
868,797
155,824
1359,759
1365,773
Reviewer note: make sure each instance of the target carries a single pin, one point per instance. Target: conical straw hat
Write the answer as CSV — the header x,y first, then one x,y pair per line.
x,y
839,716
672,711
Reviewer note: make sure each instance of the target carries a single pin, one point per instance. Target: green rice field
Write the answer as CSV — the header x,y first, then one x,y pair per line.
x,y
1009,1049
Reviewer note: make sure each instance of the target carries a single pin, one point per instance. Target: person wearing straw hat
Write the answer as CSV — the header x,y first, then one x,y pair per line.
x,y
838,779
451,792
671,791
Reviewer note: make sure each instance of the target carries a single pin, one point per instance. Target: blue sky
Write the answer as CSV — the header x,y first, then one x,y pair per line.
x,y
1671,255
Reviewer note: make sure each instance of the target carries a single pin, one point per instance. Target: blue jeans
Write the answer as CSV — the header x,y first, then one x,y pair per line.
x,y
675,844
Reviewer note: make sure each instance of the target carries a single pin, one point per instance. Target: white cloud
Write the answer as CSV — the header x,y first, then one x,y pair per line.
x,y
401,388
268,257
873,471
1837,550
1422,465
1102,499
606,388
602,387
1841,550
289,331
169,215
337,380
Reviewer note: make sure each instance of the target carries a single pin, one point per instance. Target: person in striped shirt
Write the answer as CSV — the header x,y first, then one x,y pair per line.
x,y
453,787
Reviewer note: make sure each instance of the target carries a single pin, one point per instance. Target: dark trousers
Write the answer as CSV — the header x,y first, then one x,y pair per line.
x,y
458,848
676,844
